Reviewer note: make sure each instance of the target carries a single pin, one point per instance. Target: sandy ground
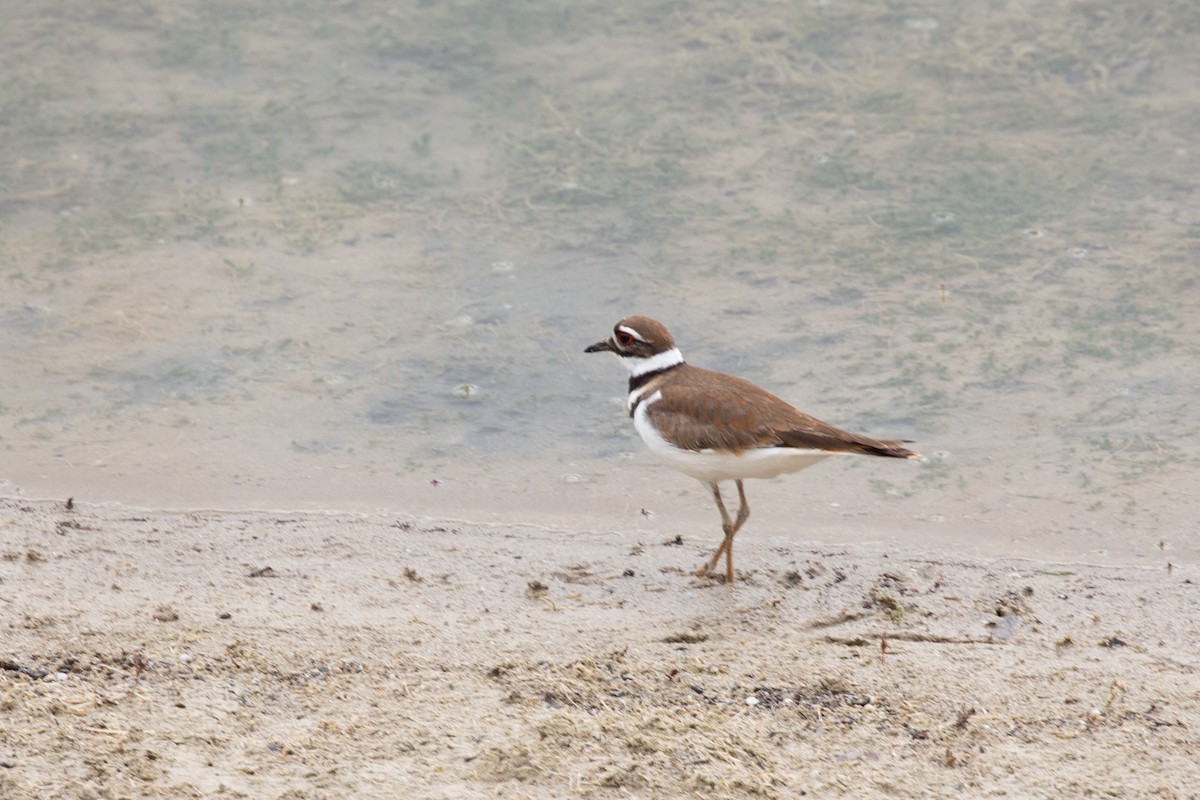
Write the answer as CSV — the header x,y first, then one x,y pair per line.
x,y
288,655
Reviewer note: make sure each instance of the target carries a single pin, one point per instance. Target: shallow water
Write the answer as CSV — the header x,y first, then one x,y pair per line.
x,y
293,257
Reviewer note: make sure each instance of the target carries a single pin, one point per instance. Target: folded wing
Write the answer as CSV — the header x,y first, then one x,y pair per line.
x,y
735,415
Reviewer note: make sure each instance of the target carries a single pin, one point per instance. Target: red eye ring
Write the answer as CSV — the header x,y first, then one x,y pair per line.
x,y
623,338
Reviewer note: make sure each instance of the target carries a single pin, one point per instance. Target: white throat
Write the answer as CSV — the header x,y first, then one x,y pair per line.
x,y
641,366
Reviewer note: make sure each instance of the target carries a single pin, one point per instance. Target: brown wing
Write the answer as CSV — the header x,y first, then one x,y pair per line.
x,y
734,414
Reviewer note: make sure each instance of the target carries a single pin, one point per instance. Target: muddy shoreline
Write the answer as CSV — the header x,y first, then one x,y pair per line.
x,y
311,655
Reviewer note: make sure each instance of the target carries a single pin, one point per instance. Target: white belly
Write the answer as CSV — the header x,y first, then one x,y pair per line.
x,y
716,465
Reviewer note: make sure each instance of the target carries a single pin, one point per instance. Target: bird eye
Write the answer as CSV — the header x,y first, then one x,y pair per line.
x,y
623,338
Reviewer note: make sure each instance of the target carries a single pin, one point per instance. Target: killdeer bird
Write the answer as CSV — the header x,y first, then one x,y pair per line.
x,y
716,427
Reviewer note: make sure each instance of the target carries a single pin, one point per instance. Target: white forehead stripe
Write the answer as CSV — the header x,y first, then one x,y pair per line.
x,y
642,366
631,332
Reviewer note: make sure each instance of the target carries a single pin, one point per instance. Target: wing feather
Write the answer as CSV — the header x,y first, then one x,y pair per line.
x,y
734,415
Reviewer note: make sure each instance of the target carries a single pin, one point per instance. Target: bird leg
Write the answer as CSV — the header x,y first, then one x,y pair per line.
x,y
731,527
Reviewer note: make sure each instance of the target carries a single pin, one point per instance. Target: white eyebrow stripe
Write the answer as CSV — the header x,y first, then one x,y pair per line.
x,y
631,332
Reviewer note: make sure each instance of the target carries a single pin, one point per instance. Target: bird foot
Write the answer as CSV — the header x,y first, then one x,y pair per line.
x,y
711,574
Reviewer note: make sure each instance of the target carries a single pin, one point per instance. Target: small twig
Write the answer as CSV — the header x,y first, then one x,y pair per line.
x,y
109,731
